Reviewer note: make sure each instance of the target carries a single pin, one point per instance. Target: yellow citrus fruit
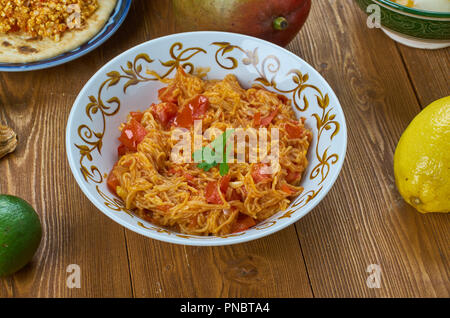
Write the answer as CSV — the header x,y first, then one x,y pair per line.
x,y
422,159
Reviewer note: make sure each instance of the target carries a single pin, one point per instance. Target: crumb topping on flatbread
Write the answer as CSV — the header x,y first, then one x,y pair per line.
x,y
34,30
44,18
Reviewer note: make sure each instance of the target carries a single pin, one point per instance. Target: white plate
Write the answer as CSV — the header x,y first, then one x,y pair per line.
x,y
111,26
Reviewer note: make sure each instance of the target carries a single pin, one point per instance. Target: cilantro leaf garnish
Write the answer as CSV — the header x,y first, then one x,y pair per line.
x,y
207,166
224,168
218,146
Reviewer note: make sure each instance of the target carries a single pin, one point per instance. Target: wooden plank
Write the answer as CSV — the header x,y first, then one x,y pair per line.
x,y
270,267
429,72
363,220
37,105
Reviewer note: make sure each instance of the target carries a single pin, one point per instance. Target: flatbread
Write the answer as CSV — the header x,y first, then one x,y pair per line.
x,y
21,48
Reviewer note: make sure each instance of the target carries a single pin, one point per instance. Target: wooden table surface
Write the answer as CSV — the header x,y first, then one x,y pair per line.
x,y
363,220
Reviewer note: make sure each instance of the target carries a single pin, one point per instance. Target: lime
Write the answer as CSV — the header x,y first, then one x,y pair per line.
x,y
422,159
20,234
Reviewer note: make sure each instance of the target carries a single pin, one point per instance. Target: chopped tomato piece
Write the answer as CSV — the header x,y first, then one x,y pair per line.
x,y
243,222
168,95
224,183
165,112
257,119
172,171
132,135
267,120
212,194
260,173
112,182
122,150
137,115
287,189
292,176
184,118
200,105
175,171
194,110
294,131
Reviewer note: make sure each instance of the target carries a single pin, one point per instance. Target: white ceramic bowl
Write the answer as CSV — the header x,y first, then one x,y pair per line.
x,y
129,83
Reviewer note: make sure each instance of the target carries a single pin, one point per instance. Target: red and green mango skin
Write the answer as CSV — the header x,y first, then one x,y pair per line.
x,y
250,17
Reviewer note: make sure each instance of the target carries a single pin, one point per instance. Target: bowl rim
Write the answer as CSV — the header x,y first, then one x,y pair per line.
x,y
213,241
414,11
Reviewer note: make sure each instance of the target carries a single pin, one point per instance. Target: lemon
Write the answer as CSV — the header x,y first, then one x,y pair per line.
x,y
20,234
422,159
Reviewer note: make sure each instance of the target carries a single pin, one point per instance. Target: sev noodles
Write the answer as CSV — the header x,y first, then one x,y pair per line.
x,y
189,199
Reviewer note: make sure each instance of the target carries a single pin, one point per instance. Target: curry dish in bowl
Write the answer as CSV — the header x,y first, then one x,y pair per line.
x,y
211,198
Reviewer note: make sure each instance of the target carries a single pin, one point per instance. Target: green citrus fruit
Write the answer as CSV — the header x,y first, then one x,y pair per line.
x,y
20,234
